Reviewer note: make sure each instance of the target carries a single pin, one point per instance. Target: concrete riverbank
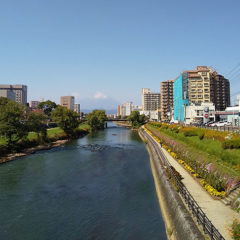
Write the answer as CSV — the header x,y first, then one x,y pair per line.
x,y
178,221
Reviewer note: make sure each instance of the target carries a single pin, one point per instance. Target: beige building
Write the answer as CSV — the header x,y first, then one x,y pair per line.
x,y
150,101
19,90
166,99
199,85
67,101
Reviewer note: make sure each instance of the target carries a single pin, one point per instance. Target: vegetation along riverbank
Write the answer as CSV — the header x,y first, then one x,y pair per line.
x,y
23,132
211,157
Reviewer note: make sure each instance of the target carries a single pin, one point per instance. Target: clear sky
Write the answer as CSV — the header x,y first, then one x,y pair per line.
x,y
110,49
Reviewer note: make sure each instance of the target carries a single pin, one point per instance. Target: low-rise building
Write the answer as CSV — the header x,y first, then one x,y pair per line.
x,y
34,104
152,115
77,108
200,113
231,114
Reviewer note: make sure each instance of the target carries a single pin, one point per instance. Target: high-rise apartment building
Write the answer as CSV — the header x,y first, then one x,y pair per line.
x,y
119,112
219,91
199,85
67,101
180,97
150,101
19,90
144,91
126,109
9,94
166,99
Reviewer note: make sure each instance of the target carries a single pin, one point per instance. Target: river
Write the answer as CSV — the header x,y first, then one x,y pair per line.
x,y
97,187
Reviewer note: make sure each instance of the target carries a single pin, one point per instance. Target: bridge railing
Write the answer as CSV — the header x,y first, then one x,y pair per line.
x,y
196,210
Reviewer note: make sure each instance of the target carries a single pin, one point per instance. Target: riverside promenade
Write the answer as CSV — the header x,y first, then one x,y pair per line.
x,y
219,214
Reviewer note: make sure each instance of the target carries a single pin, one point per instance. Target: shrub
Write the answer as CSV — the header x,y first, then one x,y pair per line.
x,y
201,135
236,229
3,150
231,143
190,133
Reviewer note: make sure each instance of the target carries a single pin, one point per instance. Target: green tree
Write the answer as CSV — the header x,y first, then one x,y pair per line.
x,y
47,106
37,123
66,119
12,121
136,119
96,119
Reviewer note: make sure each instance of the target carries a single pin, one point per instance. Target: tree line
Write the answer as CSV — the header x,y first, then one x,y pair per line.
x,y
16,121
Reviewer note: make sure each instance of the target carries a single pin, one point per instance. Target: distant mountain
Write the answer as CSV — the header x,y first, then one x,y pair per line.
x,y
108,111
108,104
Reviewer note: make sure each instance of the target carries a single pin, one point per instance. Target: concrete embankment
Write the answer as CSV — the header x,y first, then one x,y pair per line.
x,y
178,221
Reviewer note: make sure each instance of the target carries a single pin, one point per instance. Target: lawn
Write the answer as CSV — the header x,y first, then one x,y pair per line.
x,y
51,132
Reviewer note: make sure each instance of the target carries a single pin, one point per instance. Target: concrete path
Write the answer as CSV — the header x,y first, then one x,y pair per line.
x,y
219,214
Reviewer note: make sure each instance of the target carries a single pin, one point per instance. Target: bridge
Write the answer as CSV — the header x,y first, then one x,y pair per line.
x,y
116,120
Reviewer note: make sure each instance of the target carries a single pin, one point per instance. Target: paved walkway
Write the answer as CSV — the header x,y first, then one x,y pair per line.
x,y
219,214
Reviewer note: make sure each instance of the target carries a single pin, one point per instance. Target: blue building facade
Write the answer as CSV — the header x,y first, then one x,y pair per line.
x,y
180,97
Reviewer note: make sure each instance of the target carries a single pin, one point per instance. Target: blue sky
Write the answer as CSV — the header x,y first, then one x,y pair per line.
x,y
110,49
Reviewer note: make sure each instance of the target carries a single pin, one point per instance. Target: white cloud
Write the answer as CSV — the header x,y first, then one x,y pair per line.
x,y
100,95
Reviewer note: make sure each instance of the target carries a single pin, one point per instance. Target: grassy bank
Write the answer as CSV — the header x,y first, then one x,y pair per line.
x,y
202,152
32,140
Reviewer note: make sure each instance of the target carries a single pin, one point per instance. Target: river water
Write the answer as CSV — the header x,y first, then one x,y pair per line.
x,y
96,187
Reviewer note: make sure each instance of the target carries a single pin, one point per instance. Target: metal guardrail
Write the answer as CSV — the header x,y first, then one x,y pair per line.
x,y
202,219
223,129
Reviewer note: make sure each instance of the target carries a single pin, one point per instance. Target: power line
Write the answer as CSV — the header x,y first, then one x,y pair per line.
x,y
235,74
233,70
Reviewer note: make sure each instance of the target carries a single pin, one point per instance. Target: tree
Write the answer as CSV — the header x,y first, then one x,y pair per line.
x,y
136,119
96,119
66,119
37,123
47,106
12,121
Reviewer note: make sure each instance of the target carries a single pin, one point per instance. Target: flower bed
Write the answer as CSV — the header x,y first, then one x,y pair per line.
x,y
216,180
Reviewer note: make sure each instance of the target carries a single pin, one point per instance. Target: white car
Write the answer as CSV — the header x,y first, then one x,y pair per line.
x,y
221,124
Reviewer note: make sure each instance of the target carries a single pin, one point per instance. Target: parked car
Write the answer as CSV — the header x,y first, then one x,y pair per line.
x,y
208,123
174,121
213,124
222,123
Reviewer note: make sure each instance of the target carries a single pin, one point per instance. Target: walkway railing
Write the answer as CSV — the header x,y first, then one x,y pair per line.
x,y
223,128
202,219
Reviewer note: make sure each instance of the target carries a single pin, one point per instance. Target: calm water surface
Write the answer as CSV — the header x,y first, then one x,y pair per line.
x,y
97,187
